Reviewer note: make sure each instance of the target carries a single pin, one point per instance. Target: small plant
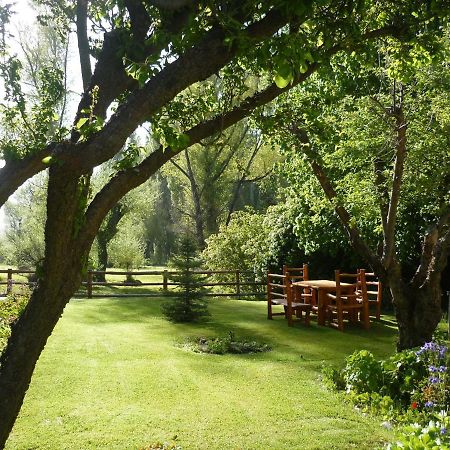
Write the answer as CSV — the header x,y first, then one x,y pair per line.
x,y
10,309
190,305
434,394
162,446
227,344
434,436
333,378
362,373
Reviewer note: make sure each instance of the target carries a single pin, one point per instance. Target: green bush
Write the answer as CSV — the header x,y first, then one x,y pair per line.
x,y
362,373
189,305
403,375
433,436
410,388
10,309
227,344
242,245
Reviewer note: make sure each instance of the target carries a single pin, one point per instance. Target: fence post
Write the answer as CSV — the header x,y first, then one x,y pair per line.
x,y
165,277
238,285
89,283
9,282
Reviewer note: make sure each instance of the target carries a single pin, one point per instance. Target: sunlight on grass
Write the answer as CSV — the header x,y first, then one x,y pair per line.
x,y
113,377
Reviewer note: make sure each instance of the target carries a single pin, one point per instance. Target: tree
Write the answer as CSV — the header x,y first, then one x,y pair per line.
x,y
240,245
382,162
24,236
127,248
150,53
159,223
190,306
214,174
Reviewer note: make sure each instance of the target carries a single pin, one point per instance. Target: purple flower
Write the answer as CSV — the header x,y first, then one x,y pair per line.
x,y
442,369
434,380
433,369
429,404
443,430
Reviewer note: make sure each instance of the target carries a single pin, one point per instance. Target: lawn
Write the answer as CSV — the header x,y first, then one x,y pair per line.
x,y
113,377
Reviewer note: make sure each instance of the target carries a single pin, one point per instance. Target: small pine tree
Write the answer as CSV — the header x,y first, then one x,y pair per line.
x,y
190,306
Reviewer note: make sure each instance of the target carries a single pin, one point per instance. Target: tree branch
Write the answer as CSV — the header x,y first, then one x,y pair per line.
x,y
383,196
241,181
197,64
15,172
400,157
83,43
435,248
180,168
344,216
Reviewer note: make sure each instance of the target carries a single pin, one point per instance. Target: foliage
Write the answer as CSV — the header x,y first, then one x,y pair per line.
x,y
126,250
258,242
227,344
25,218
212,179
190,306
410,388
242,245
342,112
362,373
10,309
434,436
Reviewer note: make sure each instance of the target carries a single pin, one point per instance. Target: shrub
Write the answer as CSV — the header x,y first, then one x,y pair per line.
x,y
127,249
10,309
227,344
242,245
190,306
362,373
411,387
434,436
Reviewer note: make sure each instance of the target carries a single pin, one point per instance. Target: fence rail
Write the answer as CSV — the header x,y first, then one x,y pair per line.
x,y
239,281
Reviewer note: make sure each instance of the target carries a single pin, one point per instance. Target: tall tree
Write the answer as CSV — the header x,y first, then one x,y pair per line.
x,y
213,175
150,53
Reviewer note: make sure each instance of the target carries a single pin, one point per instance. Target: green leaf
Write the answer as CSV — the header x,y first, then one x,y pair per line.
x,y
81,122
303,67
284,70
281,82
308,57
183,140
47,160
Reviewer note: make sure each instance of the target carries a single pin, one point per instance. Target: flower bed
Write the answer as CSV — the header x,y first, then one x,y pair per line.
x,y
410,390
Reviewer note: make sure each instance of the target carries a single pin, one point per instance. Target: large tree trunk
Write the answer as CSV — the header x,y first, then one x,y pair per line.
x,y
60,278
418,311
28,338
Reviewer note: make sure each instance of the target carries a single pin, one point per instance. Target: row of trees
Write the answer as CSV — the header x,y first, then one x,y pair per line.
x,y
150,68
199,191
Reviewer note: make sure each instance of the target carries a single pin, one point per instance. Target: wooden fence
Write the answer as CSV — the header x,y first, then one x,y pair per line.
x,y
238,284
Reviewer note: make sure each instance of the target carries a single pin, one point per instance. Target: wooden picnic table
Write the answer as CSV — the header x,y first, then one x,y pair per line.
x,y
322,287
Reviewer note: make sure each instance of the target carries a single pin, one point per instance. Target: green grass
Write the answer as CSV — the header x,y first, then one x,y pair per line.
x,y
112,377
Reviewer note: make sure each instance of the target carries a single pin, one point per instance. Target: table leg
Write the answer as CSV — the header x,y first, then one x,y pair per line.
x,y
321,304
